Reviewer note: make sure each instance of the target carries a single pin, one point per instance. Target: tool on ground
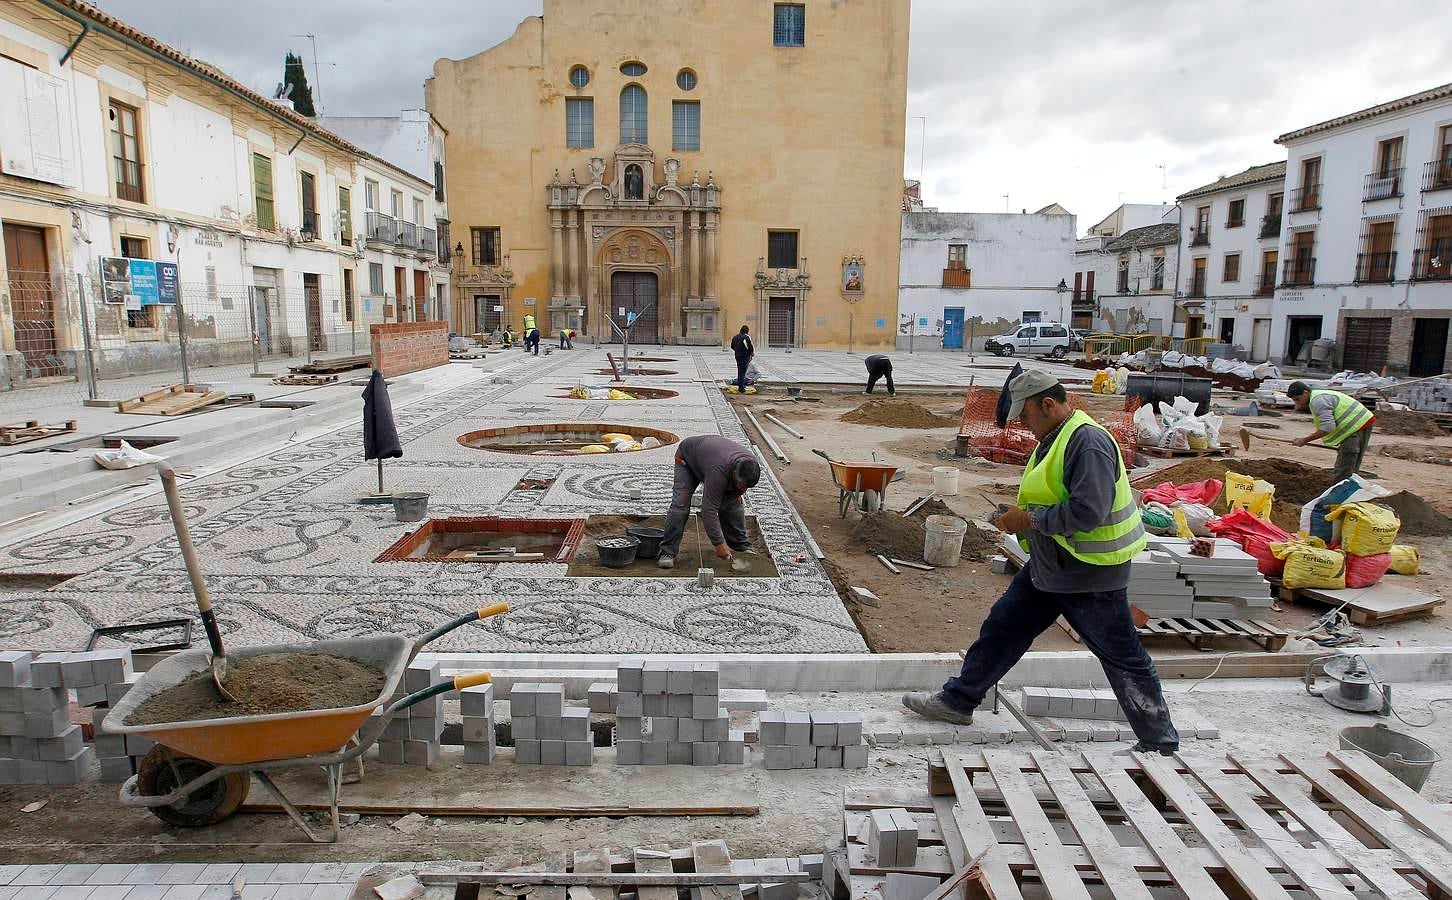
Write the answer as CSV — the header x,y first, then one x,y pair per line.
x,y
705,575
888,564
1023,720
918,503
1355,685
1246,435
218,664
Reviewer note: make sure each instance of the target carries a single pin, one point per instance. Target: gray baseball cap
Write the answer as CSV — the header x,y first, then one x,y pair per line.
x,y
1031,382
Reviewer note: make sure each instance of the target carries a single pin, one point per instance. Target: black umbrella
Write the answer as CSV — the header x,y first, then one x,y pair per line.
x,y
380,435
1000,415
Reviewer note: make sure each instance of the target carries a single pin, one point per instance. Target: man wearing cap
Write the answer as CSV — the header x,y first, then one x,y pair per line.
x,y
724,470
1341,422
1077,517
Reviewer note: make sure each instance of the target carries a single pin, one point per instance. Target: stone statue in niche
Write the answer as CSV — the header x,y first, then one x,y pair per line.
x,y
634,183
672,170
597,170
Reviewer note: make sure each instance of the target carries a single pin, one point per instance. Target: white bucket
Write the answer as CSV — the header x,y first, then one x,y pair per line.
x,y
945,481
944,541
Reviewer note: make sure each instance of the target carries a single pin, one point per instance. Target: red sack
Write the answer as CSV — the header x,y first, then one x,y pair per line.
x,y
1254,535
1364,571
1199,492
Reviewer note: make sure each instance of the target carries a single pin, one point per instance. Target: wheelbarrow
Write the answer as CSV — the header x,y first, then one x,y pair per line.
x,y
200,771
863,485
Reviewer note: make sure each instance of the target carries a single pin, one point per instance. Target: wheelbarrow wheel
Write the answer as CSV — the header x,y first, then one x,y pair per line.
x,y
207,805
871,501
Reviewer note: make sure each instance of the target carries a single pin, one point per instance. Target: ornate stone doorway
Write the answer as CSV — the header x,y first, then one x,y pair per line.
x,y
635,293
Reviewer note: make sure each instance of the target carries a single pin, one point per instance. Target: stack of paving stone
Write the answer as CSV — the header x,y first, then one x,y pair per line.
x,y
545,731
38,743
669,713
412,737
119,754
828,739
1226,585
476,705
1155,586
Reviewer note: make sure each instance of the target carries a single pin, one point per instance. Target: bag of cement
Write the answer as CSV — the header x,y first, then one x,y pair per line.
x,y
753,374
593,448
1364,529
1212,428
1353,489
1266,370
626,446
126,457
649,443
1197,517
1146,427
620,395
1187,433
1309,566
1405,560
1251,494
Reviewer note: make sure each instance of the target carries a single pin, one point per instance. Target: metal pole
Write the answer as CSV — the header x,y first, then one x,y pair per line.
x,y
308,320
181,335
849,334
86,336
380,474
252,328
912,332
970,338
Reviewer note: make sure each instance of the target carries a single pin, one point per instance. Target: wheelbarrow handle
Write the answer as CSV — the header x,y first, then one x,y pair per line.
x,y
492,609
457,683
822,453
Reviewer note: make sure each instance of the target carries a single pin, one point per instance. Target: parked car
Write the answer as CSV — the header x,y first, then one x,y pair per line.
x,y
1077,336
1036,339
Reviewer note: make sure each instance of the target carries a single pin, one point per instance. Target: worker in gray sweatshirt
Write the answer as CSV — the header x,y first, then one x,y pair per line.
x,y
724,470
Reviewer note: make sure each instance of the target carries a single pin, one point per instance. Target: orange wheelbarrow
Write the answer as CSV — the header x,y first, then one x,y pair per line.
x,y
863,485
200,771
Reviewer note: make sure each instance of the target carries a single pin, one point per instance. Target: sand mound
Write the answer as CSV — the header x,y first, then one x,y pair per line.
x,y
901,537
268,683
1406,423
1422,453
1418,516
897,413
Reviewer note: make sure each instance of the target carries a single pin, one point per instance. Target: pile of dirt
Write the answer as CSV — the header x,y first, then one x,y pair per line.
x,y
897,536
265,684
1406,423
1418,516
1422,453
897,414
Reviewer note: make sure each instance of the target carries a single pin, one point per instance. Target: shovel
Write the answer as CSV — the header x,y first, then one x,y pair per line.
x,y
199,585
1246,435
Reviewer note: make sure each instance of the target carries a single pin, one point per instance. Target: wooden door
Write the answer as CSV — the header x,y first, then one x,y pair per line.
x,y
1380,238
1366,344
400,292
1260,340
420,295
313,294
32,303
635,292
781,322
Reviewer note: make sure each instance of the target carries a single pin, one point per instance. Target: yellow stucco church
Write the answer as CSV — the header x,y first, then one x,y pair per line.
x,y
700,164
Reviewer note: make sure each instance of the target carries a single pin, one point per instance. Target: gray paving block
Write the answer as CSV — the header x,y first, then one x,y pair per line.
x,y
804,756
521,700
679,678
477,701
10,700
682,706
110,666
420,753
479,753
420,675
776,756
476,729
46,670
72,770
824,729
689,731
390,752
772,727
14,667
653,705
663,729
798,728
627,753
524,727
849,728
601,697
427,708
549,728
654,677
110,745
425,729
854,757
628,675
43,700
829,757
95,695
732,752
629,704
902,886
717,729
61,747
705,706
706,679
678,754
138,744
116,769
575,724
653,753
551,752
44,725
12,723
705,753
579,753
527,752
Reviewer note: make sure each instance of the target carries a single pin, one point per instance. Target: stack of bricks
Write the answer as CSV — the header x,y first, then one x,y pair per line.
x,y
403,347
1429,396
476,705
411,738
829,739
670,714
38,742
1074,703
892,838
545,731
119,754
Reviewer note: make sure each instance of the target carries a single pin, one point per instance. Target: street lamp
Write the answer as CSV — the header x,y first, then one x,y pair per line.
x,y
1062,289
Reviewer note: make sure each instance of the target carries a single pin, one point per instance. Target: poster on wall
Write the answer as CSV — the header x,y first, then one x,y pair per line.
x,y
138,282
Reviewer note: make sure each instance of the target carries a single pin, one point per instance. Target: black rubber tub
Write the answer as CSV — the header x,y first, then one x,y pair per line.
x,y
649,537
618,551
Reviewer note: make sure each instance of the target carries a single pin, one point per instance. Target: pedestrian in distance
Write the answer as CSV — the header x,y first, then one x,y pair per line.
x,y
745,350
879,366
1341,422
531,341
725,471
1077,517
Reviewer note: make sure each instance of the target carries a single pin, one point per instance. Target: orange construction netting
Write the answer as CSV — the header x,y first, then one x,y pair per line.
x,y
1014,443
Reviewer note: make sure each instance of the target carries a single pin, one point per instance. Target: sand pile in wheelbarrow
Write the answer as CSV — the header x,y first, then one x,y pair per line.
x,y
265,684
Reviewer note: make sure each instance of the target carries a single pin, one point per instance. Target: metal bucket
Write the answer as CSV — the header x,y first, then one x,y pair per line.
x,y
410,506
1404,756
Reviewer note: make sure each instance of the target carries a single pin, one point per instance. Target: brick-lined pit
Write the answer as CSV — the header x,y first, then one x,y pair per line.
x,y
402,347
640,393
437,539
634,372
564,439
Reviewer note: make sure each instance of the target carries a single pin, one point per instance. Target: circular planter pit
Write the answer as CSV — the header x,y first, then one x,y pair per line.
x,y
634,372
640,393
636,359
564,439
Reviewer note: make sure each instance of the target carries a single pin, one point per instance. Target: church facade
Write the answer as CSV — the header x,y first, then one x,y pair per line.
x,y
679,168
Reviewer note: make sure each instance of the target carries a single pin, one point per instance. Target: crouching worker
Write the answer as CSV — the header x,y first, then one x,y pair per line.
x,y
725,471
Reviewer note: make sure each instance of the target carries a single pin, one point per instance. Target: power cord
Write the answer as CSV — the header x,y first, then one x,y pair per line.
x,y
1431,704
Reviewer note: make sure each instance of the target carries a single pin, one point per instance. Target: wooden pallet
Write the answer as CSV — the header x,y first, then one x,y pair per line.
x,y
171,401
1383,602
1061,823
1202,633
1173,453
332,366
32,430
306,380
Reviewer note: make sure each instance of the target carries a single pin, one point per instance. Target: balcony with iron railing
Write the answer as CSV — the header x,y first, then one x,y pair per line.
x,y
1196,289
407,235
1437,175
1270,224
1383,185
1379,267
1299,273
428,242
1265,283
1200,237
308,227
1306,198
1432,264
379,228
957,278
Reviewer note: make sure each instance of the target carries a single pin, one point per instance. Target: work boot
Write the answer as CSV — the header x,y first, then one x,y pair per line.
x,y
1142,747
666,562
933,706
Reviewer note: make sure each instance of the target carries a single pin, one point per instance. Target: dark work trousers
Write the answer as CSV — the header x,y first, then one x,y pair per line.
x,y
1102,620
880,369
1349,455
733,516
741,363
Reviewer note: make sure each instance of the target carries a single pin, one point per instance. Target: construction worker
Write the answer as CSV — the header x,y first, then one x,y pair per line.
x,y
1077,517
531,341
879,366
507,340
724,470
567,338
745,350
1341,422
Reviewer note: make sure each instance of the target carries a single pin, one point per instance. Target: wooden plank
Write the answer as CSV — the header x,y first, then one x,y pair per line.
x,y
150,396
931,860
1388,790
929,830
888,798
952,840
1297,858
1366,863
654,880
1182,866
709,857
1043,843
1099,842
1432,860
1384,601
977,834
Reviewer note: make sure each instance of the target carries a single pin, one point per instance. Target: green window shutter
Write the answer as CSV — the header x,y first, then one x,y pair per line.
x,y
345,216
262,187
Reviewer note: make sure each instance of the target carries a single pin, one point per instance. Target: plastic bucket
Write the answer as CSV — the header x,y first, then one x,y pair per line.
x,y
1404,756
410,506
943,544
618,551
650,538
945,481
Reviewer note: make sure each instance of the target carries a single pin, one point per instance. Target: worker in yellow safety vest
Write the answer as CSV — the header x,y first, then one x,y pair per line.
x,y
1341,422
1077,517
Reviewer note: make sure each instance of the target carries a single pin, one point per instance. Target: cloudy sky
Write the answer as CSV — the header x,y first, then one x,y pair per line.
x,y
1047,100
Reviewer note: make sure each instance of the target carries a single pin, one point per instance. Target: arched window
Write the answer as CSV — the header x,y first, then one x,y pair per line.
x,y
634,182
633,115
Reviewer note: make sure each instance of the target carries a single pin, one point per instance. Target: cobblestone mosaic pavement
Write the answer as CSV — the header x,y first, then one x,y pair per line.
x,y
288,551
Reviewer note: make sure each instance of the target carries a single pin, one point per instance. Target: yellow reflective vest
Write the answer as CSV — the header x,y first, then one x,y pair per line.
x,y
1349,414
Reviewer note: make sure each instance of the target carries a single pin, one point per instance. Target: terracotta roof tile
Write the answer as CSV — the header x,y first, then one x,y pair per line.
x,y
1253,175
1148,236
1441,92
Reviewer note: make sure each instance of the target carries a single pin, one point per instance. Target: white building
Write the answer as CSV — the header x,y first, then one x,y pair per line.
x,y
968,276
1366,252
1094,269
1230,246
1139,296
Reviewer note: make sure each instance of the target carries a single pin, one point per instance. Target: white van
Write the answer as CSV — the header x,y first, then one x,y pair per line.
x,y
1037,339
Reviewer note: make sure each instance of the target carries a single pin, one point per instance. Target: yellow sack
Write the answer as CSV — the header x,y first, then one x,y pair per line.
x,y
1103,384
1254,495
1404,559
594,448
580,392
611,437
620,395
1308,566
1366,529
626,446
1182,524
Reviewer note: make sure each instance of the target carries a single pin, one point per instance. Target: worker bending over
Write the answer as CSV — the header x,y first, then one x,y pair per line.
x,y
724,470
879,366
1077,517
1341,422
